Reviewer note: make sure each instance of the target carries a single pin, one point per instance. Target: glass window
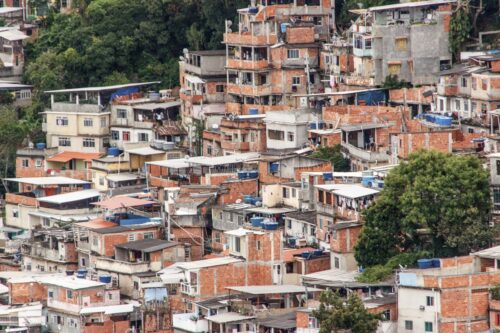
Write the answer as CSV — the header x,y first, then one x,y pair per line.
x,y
62,121
121,113
104,122
275,135
496,196
88,122
115,135
457,104
409,325
69,294
429,301
25,163
131,237
386,314
296,80
142,137
38,163
237,244
89,142
64,142
293,54
149,235
291,136
219,88
428,326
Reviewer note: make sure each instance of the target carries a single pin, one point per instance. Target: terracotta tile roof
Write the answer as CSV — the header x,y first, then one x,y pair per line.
x,y
67,156
170,129
98,223
289,253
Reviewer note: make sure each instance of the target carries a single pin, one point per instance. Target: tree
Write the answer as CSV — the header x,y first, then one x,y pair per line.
x,y
336,314
334,155
460,27
434,202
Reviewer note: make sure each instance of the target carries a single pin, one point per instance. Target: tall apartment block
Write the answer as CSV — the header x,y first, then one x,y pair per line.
x,y
274,53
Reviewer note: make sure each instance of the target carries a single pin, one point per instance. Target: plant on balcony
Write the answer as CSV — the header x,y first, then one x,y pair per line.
x,y
334,155
443,193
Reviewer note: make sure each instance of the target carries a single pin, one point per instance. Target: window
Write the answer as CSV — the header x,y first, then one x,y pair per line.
x,y
64,142
144,137
15,213
25,162
336,262
313,322
327,59
104,122
394,68
296,80
289,223
89,142
258,245
115,135
466,105
429,301
149,235
237,244
474,83
217,237
219,88
321,223
286,192
428,326
131,237
276,135
62,121
457,104
334,234
294,192
95,241
88,122
121,113
498,167
209,150
386,315
409,325
69,294
101,181
136,285
484,84
368,44
38,163
293,54
126,136
291,136
312,231
484,107
401,44
464,82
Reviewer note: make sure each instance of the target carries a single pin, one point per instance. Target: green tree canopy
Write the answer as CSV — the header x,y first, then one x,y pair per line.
x,y
334,155
335,313
434,202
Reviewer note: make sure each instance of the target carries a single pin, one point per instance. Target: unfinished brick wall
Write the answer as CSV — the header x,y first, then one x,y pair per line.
x,y
191,235
302,319
32,170
412,142
26,292
299,35
346,239
116,324
317,264
236,190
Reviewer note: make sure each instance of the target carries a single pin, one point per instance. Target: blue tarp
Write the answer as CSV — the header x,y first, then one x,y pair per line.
x,y
374,97
124,92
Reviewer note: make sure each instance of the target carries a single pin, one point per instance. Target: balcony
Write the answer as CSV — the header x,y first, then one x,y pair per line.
x,y
120,122
123,267
322,208
189,322
76,108
67,307
247,64
189,289
42,252
246,38
365,155
143,124
299,62
250,90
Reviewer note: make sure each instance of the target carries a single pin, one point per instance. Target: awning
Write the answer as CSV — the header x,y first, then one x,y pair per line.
x,y
144,151
123,177
122,202
41,181
194,79
70,197
67,156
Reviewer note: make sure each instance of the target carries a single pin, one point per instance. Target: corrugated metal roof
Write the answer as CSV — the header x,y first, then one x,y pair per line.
x,y
351,191
412,5
47,181
147,245
228,317
105,88
109,310
273,289
144,151
122,202
70,197
71,282
206,263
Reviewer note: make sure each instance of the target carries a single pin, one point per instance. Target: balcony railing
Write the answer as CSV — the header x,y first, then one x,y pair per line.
x,y
249,39
365,155
248,89
189,322
247,64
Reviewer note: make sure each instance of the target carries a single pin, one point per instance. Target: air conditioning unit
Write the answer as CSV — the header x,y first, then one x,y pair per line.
x,y
99,294
422,308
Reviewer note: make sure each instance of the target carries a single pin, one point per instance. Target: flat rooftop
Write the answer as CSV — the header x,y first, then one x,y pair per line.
x,y
102,89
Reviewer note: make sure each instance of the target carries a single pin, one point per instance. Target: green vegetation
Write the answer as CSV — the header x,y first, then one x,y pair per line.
x,y
116,41
393,82
334,155
460,27
335,314
435,202
495,292
383,272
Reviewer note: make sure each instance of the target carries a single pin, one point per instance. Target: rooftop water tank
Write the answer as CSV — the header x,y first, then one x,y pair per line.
x,y
113,151
253,111
40,145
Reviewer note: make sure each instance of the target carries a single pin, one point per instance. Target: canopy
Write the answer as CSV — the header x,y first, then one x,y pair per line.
x,y
122,202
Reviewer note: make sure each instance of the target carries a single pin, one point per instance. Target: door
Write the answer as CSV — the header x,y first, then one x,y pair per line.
x,y
277,274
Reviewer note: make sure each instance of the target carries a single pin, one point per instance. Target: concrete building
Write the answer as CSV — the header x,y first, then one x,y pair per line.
x,y
202,75
287,130
274,53
400,43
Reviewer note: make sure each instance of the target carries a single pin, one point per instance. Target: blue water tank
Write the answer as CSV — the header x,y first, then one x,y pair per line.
x,y
40,145
436,262
292,242
270,225
312,126
242,174
443,120
253,10
113,151
327,176
81,273
318,252
247,199
274,167
367,181
305,254
253,111
256,221
424,263
283,27
105,278
69,273
253,174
